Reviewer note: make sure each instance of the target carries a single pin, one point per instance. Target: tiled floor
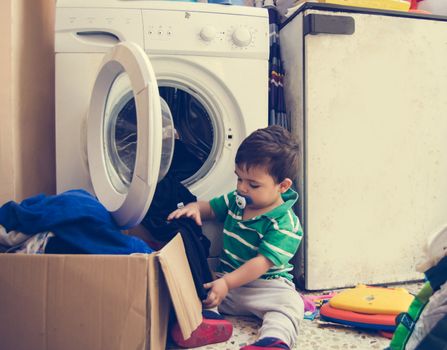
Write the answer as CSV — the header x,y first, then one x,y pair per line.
x,y
315,335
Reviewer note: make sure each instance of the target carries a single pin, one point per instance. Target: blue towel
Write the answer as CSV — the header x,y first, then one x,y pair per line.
x,y
79,221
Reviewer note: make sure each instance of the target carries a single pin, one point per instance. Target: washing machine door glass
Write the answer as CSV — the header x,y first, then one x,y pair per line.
x,y
120,135
195,133
125,134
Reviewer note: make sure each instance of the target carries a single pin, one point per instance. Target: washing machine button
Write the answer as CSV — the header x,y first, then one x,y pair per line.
x,y
241,37
208,33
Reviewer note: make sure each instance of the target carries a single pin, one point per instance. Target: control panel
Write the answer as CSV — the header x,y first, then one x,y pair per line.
x,y
164,31
210,34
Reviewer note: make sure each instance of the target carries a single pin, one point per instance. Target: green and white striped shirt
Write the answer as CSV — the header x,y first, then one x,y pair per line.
x,y
275,235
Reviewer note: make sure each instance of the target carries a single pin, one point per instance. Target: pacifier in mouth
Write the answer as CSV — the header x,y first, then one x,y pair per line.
x,y
243,201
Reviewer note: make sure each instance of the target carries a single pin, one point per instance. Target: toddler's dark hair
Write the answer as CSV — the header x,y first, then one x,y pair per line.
x,y
273,148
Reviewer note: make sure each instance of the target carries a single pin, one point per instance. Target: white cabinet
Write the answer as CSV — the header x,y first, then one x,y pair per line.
x,y
367,94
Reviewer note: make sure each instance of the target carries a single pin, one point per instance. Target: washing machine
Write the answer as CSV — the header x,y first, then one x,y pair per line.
x,y
147,87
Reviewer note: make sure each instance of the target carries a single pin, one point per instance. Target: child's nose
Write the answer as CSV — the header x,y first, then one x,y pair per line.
x,y
242,188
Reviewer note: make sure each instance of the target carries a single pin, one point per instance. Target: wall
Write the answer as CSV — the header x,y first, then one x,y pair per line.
x,y
436,7
6,141
27,121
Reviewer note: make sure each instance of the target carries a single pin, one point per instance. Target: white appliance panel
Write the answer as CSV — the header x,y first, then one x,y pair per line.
x,y
71,118
96,29
371,116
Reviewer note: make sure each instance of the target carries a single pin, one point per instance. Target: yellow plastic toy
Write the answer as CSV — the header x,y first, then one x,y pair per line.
x,y
373,300
396,5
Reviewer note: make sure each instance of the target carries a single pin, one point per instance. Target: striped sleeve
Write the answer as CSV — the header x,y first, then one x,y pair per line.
x,y
282,239
221,204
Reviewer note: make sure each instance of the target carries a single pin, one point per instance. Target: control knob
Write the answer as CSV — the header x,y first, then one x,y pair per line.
x,y
241,37
208,33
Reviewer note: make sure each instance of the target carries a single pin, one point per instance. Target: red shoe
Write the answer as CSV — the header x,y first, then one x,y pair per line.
x,y
209,332
268,343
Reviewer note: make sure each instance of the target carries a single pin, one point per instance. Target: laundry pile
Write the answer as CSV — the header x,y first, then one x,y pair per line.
x,y
73,222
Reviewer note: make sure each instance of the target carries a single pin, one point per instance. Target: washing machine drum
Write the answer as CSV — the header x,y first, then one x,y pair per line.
x,y
187,136
122,139
194,134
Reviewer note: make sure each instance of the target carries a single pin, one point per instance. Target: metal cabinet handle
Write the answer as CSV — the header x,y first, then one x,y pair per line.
x,y
327,24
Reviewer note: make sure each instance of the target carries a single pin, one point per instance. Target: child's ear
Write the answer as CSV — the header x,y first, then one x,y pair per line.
x,y
285,184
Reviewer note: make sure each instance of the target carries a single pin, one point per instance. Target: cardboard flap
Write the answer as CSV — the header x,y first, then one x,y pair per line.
x,y
187,305
159,303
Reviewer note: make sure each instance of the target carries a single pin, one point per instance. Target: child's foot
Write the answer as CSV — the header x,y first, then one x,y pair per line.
x,y
210,331
267,343
211,315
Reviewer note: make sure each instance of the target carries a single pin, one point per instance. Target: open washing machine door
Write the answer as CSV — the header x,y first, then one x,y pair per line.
x,y
130,134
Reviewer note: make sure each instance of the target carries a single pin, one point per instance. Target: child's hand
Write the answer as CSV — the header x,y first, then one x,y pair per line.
x,y
191,210
218,291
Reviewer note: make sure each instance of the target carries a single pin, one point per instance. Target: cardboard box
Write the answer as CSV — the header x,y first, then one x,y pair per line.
x,y
95,301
